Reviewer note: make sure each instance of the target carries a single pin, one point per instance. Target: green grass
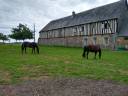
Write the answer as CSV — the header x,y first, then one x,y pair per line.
x,y
61,62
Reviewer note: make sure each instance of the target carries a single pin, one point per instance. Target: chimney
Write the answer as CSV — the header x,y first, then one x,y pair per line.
x,y
73,14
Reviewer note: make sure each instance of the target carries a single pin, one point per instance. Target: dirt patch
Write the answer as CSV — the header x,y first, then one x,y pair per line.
x,y
65,87
5,76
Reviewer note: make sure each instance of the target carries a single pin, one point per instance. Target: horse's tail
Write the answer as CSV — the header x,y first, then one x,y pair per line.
x,y
84,52
99,53
37,48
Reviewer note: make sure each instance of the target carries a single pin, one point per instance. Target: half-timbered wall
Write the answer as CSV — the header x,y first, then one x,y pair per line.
x,y
96,28
101,30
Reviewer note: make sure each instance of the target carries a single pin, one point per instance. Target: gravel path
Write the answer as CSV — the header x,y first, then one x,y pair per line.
x,y
65,87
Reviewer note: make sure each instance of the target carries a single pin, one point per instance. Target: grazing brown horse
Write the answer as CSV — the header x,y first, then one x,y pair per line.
x,y
92,48
32,45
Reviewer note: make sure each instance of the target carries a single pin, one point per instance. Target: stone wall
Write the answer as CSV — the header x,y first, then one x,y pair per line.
x,y
67,41
105,41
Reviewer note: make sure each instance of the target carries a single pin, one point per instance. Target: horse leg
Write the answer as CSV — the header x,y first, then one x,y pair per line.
x,y
37,49
95,55
34,50
84,52
100,54
25,50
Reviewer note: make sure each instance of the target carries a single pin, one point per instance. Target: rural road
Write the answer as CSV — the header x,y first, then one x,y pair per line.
x,y
65,87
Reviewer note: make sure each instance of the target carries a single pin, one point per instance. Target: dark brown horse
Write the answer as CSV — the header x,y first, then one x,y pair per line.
x,y
32,45
91,48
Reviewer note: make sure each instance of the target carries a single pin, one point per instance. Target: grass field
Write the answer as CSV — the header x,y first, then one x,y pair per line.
x,y
61,62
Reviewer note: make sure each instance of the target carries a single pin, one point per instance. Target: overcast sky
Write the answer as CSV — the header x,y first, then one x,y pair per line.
x,y
40,12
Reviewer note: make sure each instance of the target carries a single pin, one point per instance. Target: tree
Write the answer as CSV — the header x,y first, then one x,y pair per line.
x,y
22,32
3,37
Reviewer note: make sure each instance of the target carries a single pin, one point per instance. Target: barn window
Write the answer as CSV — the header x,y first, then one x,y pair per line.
x,y
105,25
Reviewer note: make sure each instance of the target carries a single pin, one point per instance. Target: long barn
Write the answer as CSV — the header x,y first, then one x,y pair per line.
x,y
106,25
